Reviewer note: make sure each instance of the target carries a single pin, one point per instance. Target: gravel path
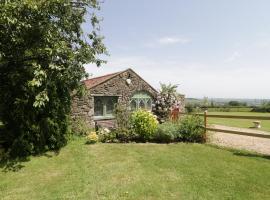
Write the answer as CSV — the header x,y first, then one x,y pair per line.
x,y
259,145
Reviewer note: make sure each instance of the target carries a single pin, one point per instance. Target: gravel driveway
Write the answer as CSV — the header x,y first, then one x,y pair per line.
x,y
259,145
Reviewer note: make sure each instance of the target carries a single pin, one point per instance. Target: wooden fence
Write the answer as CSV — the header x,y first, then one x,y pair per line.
x,y
206,116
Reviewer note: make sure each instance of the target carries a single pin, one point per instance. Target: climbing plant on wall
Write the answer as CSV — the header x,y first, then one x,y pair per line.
x,y
166,101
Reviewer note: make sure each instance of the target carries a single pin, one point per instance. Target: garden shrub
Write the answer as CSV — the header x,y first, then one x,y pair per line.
x,y
167,99
191,129
125,135
189,108
166,132
122,116
79,127
144,124
92,138
107,136
123,129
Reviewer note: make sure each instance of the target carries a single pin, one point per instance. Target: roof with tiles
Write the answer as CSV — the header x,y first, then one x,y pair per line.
x,y
90,83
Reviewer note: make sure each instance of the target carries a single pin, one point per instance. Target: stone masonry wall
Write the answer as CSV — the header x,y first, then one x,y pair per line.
x,y
117,86
83,108
181,99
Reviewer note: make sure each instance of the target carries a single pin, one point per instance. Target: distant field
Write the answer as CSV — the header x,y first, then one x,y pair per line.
x,y
232,109
241,123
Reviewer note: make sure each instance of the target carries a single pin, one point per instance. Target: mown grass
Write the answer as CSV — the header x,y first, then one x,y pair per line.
x,y
139,171
230,109
241,123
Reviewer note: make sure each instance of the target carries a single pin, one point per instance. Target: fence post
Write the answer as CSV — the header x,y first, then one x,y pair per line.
x,y
205,124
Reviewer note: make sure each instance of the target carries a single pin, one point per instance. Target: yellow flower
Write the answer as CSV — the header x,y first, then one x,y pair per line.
x,y
92,138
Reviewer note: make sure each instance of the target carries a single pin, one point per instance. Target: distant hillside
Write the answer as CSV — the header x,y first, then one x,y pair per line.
x,y
223,101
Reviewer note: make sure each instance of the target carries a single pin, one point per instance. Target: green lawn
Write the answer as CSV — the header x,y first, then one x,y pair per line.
x,y
242,123
139,171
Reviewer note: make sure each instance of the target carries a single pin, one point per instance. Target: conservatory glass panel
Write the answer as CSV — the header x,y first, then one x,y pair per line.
x,y
142,104
141,100
149,104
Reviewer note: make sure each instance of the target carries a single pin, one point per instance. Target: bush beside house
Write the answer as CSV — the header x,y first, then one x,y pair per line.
x,y
143,127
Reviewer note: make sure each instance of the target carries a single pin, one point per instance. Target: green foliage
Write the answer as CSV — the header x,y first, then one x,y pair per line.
x,y
189,108
237,103
193,108
168,88
107,136
191,129
265,107
205,102
42,53
144,124
79,127
92,138
122,117
144,127
188,129
166,100
166,132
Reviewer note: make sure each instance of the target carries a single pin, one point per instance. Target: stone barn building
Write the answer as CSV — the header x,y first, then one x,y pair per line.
x,y
125,87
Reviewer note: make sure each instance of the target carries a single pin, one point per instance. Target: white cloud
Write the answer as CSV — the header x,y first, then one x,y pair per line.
x,y
167,40
173,40
235,55
195,79
263,44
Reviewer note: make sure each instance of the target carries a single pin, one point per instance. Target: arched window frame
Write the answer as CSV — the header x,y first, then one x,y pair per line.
x,y
133,104
140,98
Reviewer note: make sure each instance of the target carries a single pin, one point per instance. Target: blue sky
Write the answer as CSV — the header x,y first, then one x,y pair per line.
x,y
210,48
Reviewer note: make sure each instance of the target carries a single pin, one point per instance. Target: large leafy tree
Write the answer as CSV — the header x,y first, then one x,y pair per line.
x,y
42,53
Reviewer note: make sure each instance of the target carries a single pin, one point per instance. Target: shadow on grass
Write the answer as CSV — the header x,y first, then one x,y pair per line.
x,y
243,153
8,164
12,164
251,155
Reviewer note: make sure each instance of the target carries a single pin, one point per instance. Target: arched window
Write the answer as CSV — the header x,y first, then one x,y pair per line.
x,y
142,104
133,105
141,100
149,104
98,107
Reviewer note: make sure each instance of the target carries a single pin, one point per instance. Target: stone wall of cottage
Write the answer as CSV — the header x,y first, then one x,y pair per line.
x,y
83,108
181,99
